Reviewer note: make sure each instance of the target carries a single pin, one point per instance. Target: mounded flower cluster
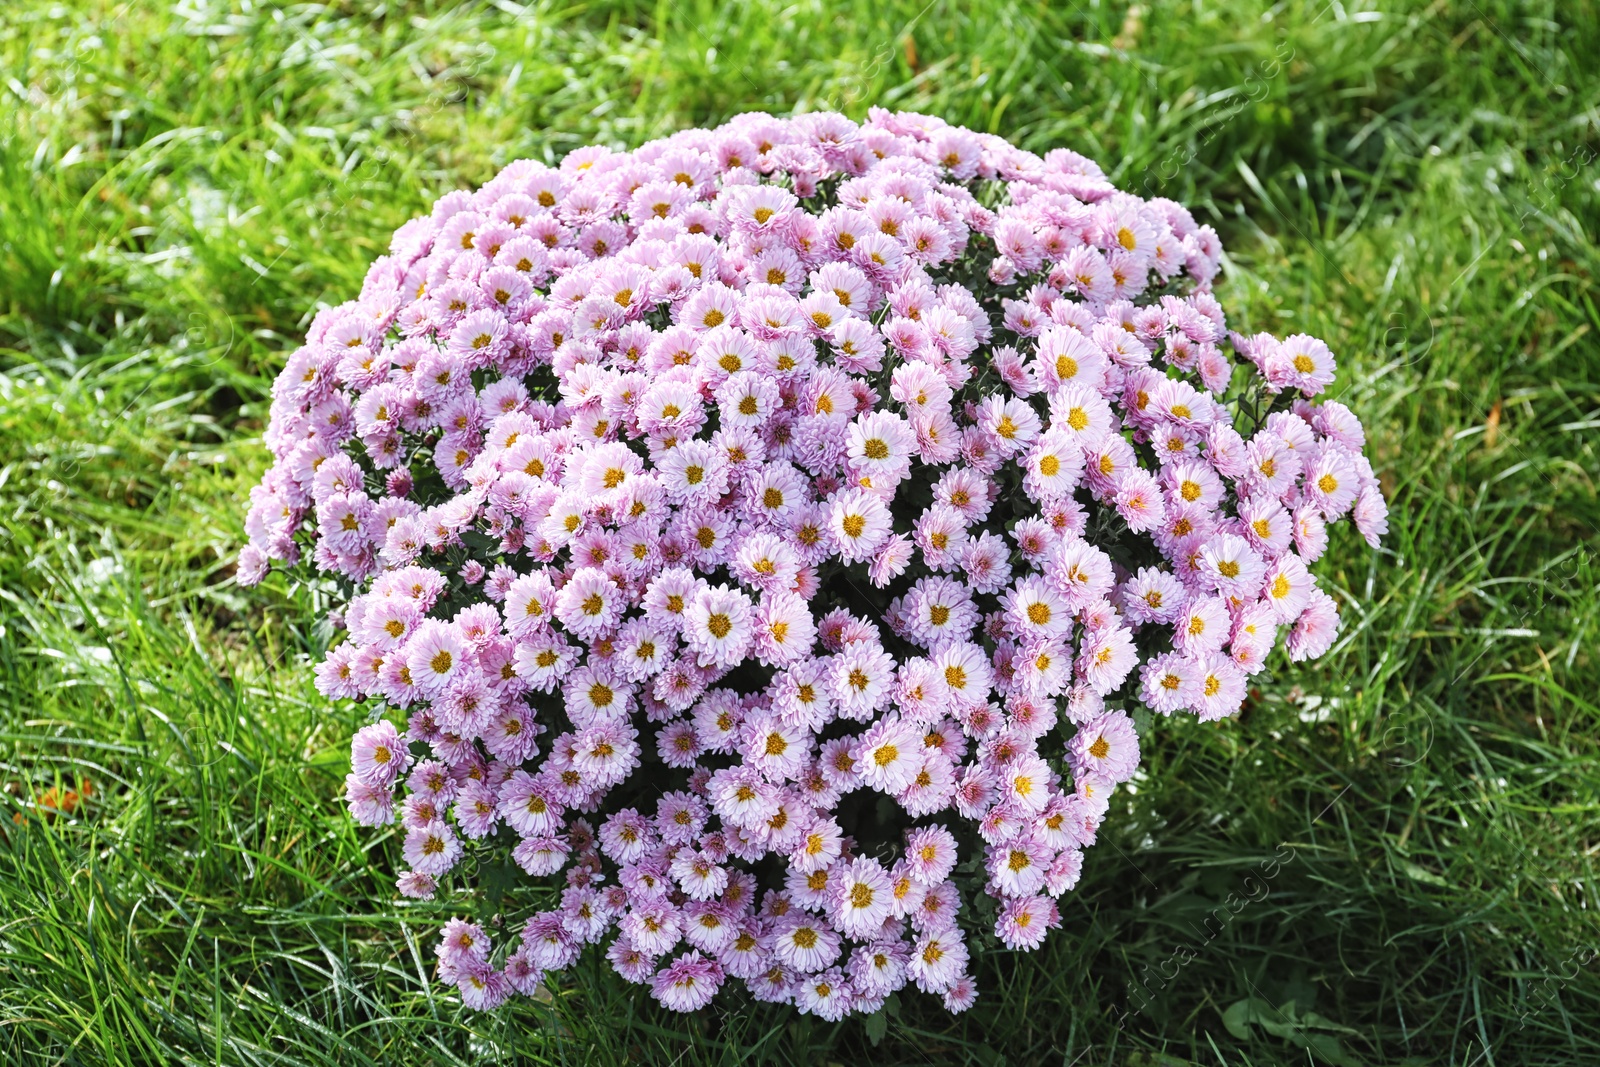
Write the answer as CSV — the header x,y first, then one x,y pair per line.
x,y
735,521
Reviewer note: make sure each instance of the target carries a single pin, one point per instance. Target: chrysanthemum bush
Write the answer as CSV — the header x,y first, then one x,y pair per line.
x,y
761,538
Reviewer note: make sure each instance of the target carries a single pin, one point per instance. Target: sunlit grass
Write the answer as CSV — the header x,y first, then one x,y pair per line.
x,y
1411,823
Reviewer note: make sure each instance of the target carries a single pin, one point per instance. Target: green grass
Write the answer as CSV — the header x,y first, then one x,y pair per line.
x,y
183,184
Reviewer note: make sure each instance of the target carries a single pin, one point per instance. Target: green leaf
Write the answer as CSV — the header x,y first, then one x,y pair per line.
x,y
876,1025
1285,1022
1238,1017
1422,874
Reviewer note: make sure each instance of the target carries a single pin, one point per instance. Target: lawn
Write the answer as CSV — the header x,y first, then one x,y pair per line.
x,y
1414,820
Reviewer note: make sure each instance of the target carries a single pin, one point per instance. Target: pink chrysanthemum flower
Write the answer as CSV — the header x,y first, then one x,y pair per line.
x,y
806,944
432,849
718,626
861,898
370,805
688,470
378,756
937,962
1105,746
1169,682
1024,921
859,523
687,983
589,604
